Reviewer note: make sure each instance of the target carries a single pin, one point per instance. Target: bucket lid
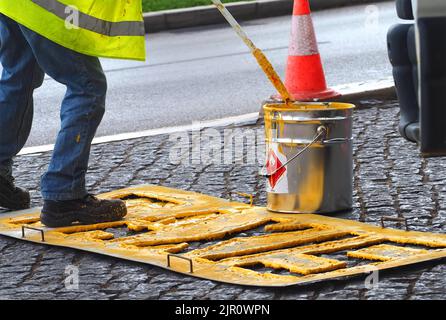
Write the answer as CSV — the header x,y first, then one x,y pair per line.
x,y
308,106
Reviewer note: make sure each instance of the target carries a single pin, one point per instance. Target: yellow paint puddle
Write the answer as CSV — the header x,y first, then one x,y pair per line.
x,y
297,263
268,242
386,252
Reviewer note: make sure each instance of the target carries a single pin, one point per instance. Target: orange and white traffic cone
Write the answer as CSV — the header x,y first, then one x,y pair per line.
x,y
305,78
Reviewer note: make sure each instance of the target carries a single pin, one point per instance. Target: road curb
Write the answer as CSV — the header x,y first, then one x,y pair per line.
x,y
242,11
358,92
354,93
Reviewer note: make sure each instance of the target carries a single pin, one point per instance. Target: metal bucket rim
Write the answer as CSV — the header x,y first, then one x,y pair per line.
x,y
302,142
308,106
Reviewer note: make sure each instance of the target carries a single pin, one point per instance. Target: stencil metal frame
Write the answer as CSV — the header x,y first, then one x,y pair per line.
x,y
167,220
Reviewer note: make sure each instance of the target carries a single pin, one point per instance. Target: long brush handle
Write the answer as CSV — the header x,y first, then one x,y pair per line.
x,y
272,75
263,61
234,24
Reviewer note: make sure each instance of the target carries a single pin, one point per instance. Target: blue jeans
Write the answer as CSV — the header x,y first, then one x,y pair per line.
x,y
26,57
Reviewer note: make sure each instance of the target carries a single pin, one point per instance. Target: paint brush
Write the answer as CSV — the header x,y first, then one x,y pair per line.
x,y
263,61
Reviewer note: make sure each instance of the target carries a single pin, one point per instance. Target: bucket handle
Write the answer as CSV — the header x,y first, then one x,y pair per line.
x,y
320,134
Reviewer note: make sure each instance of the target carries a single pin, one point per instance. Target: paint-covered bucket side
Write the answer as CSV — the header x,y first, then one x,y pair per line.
x,y
309,157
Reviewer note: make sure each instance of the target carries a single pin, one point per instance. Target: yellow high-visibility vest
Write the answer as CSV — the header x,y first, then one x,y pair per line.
x,y
101,28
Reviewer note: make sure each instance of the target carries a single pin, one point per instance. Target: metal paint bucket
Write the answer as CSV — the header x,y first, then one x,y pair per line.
x,y
309,160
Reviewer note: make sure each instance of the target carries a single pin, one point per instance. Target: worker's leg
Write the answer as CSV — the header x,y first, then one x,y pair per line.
x,y
21,75
81,113
63,186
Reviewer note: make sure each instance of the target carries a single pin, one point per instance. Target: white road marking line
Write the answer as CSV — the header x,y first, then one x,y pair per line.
x,y
250,118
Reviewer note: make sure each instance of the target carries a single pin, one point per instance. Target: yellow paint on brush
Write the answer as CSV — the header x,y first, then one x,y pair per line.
x,y
272,75
293,242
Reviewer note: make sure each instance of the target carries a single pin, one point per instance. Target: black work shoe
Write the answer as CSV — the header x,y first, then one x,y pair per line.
x,y
11,197
89,210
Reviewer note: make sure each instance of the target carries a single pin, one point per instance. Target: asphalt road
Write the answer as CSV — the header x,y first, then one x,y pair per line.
x,y
207,73
388,182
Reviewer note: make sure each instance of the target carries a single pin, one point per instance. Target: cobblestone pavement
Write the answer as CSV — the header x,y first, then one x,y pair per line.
x,y
391,179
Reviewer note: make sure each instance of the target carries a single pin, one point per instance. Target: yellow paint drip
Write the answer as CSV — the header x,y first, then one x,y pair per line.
x,y
272,75
291,242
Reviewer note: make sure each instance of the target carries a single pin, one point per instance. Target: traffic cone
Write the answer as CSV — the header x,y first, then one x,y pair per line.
x,y
305,77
